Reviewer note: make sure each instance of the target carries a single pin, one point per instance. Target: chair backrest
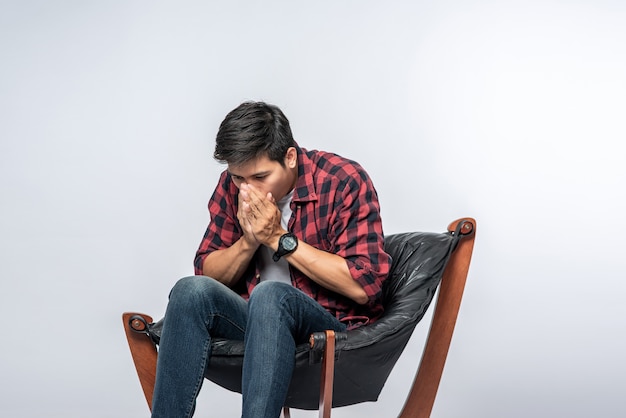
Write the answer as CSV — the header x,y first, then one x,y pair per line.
x,y
419,259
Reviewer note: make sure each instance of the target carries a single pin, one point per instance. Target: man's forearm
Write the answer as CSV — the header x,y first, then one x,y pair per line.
x,y
228,265
328,270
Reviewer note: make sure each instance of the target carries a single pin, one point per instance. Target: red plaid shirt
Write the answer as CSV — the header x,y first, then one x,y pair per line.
x,y
335,209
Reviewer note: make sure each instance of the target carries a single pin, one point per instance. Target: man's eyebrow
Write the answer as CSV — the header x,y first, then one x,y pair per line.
x,y
260,173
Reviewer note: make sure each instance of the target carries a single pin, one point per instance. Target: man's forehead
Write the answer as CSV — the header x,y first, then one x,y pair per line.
x,y
258,165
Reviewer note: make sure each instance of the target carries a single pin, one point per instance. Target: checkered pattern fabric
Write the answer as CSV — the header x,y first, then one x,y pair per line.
x,y
335,209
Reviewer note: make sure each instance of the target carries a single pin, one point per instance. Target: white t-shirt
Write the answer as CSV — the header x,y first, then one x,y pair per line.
x,y
277,270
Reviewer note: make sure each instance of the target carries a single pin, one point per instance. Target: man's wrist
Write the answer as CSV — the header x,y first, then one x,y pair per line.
x,y
287,244
273,242
247,246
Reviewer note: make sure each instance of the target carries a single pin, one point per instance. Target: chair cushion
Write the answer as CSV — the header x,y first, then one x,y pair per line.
x,y
365,360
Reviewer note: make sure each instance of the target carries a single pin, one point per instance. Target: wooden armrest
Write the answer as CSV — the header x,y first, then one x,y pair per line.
x,y
143,351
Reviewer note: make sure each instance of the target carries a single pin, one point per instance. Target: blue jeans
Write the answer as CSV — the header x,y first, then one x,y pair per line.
x,y
275,319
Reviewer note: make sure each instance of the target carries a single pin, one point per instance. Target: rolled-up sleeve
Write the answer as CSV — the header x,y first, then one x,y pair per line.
x,y
358,234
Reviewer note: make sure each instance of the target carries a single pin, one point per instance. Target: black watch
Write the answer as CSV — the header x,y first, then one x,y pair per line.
x,y
286,245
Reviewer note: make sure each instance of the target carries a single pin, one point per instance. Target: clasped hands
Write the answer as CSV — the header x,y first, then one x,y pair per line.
x,y
259,217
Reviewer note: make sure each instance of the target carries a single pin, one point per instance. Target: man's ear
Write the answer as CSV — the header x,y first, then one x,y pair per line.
x,y
291,157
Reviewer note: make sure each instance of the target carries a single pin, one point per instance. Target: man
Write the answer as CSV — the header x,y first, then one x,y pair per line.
x,y
294,246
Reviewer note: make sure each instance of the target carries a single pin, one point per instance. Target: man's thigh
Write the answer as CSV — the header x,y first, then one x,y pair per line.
x,y
283,305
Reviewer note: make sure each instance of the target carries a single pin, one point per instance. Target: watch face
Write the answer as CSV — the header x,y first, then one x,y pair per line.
x,y
289,243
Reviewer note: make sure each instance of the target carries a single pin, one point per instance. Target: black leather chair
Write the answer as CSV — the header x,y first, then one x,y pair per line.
x,y
364,357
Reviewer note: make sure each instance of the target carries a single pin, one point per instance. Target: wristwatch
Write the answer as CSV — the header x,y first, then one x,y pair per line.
x,y
286,245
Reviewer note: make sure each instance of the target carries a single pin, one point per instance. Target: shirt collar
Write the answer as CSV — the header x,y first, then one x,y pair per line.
x,y
305,185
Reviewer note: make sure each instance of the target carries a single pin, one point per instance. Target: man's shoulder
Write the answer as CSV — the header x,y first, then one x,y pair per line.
x,y
329,163
224,190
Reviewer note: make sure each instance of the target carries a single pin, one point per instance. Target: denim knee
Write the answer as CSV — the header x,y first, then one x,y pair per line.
x,y
191,290
269,297
189,286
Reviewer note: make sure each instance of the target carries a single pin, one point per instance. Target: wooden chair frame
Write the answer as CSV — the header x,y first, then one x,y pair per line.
x,y
421,398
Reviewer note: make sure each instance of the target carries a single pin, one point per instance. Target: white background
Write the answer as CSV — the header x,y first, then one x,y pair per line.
x,y
511,112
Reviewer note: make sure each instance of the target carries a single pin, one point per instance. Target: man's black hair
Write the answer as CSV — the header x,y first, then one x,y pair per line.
x,y
251,130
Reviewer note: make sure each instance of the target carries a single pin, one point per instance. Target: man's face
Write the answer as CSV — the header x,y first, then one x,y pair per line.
x,y
266,175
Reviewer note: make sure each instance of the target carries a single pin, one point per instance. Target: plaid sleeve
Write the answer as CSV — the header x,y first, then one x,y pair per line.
x,y
358,233
223,230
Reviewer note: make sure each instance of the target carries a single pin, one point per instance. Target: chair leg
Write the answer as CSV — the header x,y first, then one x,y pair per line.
x,y
327,376
286,413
